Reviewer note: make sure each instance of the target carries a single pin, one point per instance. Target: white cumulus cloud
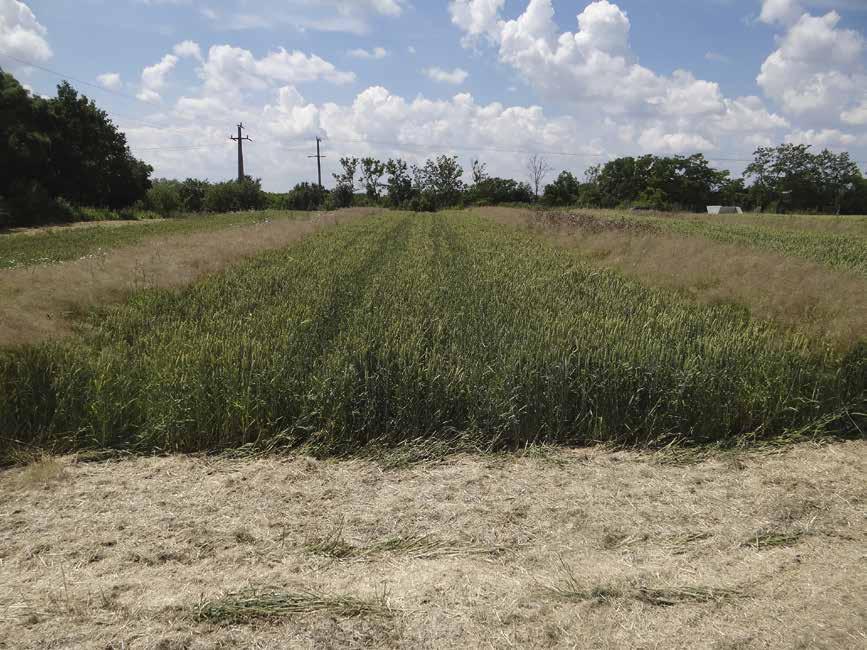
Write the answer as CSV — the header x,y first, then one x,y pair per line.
x,y
375,53
822,138
109,80
817,69
456,76
189,49
153,78
856,115
230,69
780,11
21,35
595,70
476,17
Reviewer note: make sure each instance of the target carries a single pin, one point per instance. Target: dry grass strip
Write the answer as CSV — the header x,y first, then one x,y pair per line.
x,y
795,292
41,302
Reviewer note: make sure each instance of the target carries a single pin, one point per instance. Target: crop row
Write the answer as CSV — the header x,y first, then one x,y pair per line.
x,y
406,327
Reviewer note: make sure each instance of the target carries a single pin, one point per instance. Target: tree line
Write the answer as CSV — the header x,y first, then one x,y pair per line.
x,y
58,155
787,178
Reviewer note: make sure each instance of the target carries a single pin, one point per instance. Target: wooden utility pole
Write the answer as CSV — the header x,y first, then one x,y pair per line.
x,y
319,158
240,139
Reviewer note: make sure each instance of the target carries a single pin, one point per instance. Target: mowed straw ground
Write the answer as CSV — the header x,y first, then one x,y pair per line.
x,y
583,548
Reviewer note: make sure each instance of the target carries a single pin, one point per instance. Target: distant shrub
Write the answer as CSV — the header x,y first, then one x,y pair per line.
x,y
164,197
192,194
232,196
306,196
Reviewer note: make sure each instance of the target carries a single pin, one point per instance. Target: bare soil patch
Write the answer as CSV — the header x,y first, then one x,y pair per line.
x,y
40,302
560,548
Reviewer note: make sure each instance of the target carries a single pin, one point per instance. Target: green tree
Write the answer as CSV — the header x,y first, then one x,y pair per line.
x,y
25,138
372,171
440,178
398,183
344,190
91,163
785,178
492,190
192,194
838,176
565,190
306,196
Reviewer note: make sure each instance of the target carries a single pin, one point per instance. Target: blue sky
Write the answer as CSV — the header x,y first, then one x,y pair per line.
x,y
489,79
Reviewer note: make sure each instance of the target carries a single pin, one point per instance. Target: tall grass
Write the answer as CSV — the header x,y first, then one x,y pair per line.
x,y
69,243
423,327
845,250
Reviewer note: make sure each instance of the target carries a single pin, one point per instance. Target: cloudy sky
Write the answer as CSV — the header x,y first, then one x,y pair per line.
x,y
488,79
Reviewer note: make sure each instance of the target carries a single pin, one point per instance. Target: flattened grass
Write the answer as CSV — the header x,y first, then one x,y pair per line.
x,y
250,605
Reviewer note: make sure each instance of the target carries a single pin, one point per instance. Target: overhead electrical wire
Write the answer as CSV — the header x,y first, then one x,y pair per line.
x,y
102,89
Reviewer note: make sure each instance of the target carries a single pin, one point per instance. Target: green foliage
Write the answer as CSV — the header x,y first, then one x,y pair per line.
x,y
423,328
232,196
164,198
344,190
497,191
439,182
679,182
62,148
306,196
192,195
372,171
790,178
564,191
399,183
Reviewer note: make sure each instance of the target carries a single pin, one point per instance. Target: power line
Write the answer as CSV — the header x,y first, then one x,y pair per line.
x,y
102,89
183,148
69,77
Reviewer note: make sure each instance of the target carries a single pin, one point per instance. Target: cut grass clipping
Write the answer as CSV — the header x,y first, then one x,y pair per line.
x,y
254,604
423,327
572,590
771,538
414,546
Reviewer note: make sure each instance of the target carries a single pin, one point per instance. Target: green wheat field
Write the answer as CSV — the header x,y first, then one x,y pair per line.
x,y
405,327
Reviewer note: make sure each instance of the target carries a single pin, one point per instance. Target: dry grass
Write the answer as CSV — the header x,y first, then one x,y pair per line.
x,y
41,302
796,292
595,549
78,225
842,225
